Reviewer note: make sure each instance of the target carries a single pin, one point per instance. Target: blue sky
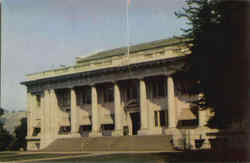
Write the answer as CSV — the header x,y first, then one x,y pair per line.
x,y
44,34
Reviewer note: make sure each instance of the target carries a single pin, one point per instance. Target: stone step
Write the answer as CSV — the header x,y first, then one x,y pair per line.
x,y
123,143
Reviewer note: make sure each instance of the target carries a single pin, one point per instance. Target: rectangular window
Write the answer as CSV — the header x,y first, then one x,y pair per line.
x,y
156,118
64,97
158,88
132,93
64,130
87,96
108,93
161,89
83,95
85,128
155,89
38,100
162,118
108,127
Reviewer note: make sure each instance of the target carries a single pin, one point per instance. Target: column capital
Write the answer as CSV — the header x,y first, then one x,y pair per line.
x,y
92,84
141,78
115,81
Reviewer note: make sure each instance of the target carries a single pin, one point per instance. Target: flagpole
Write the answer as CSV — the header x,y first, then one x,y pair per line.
x,y
128,35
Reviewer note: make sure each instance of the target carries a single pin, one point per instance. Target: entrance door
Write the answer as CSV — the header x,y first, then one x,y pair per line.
x,y
136,122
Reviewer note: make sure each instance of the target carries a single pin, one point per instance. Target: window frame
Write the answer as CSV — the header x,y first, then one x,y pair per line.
x,y
83,96
158,88
108,94
64,98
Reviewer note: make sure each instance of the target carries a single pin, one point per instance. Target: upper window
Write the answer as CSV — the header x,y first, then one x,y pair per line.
x,y
132,93
38,100
158,88
63,97
83,95
108,93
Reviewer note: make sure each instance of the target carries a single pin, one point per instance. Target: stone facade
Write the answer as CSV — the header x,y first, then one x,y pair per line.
x,y
111,94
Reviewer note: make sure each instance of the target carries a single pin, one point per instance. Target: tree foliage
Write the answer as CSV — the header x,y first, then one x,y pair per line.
x,y
10,142
210,69
1,111
5,137
20,132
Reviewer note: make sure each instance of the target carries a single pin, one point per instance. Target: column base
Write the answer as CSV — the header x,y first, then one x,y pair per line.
x,y
117,133
95,134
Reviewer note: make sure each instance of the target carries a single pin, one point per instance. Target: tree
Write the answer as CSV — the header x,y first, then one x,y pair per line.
x,y
1,111
212,67
20,132
5,137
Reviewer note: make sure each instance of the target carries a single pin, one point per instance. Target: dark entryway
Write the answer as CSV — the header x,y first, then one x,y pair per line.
x,y
136,122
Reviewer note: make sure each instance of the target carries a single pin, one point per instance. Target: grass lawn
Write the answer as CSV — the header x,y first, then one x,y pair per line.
x,y
15,156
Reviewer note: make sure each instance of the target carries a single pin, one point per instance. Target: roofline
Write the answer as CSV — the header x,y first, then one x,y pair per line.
x,y
180,41
91,72
183,40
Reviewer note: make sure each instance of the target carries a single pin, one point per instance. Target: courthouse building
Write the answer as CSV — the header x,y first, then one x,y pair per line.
x,y
111,93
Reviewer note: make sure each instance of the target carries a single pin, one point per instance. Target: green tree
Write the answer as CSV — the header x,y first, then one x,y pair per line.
x,y
20,132
1,111
211,68
5,137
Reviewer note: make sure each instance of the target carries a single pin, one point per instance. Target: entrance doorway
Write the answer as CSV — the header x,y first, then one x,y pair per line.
x,y
136,122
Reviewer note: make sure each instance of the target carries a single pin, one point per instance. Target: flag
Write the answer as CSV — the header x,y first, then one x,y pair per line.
x,y
129,1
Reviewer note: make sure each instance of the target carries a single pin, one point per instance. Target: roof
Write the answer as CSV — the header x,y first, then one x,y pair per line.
x,y
133,49
99,56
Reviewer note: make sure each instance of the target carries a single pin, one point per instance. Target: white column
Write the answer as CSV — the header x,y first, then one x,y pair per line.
x,y
74,114
48,116
118,111
94,111
44,119
49,128
29,114
171,103
53,108
143,108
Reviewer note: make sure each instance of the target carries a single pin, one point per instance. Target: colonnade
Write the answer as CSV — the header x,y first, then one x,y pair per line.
x,y
49,128
172,120
49,102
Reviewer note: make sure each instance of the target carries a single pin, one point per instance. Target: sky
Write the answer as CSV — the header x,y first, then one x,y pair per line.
x,y
44,34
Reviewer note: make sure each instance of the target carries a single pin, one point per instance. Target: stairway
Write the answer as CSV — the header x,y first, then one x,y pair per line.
x,y
122,143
